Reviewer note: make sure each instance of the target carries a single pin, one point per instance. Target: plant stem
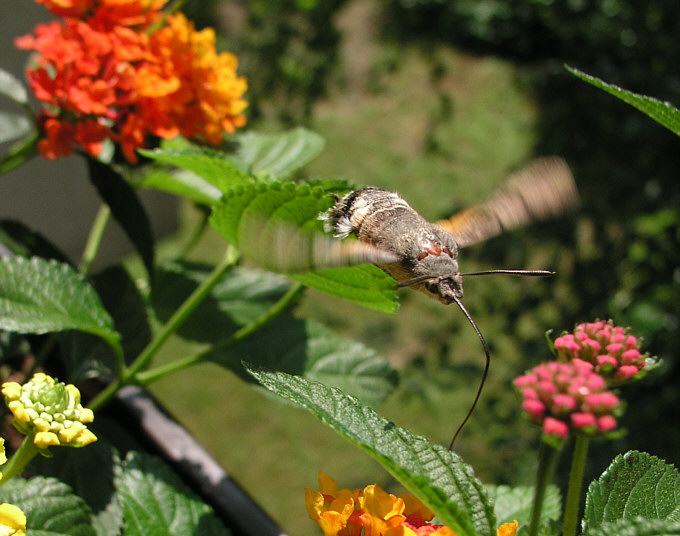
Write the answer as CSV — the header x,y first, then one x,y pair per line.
x,y
547,458
95,238
24,454
176,320
148,376
578,465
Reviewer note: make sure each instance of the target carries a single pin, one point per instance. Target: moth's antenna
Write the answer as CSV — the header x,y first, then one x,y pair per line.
x,y
487,353
528,273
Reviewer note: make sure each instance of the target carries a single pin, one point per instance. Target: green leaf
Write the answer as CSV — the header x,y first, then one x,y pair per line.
x,y
50,507
279,155
314,351
87,356
11,87
435,475
209,164
22,240
181,183
242,296
634,485
662,112
276,225
13,126
40,296
155,501
89,473
126,209
516,503
637,527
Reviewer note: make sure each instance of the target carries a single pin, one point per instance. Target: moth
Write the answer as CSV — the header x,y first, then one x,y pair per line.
x,y
417,253
427,253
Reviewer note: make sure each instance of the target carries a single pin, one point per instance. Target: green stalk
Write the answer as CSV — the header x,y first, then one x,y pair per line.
x,y
146,377
24,454
95,239
176,320
547,458
573,503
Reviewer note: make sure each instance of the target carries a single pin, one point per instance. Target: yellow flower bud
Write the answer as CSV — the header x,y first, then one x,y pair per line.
x,y
12,520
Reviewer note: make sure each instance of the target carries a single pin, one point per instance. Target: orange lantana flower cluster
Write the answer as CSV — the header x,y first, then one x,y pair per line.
x,y
374,512
123,70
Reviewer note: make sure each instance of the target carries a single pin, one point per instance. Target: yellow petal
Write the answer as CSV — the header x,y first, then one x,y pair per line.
x,y
11,517
11,390
45,439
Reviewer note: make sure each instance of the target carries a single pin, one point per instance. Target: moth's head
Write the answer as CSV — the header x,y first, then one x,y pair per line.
x,y
445,288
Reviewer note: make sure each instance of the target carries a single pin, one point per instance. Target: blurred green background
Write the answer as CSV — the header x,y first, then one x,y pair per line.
x,y
440,101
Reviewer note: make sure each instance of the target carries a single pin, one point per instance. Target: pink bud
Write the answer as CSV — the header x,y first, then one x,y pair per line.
x,y
546,388
593,345
631,341
529,393
631,357
563,403
626,372
535,408
601,402
614,348
526,379
606,423
606,362
554,427
583,420
582,365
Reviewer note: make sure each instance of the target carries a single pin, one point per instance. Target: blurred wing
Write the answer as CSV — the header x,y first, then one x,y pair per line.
x,y
280,247
542,189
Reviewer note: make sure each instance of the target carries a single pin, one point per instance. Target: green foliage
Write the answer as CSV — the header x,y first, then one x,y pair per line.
x,y
662,112
50,506
515,503
437,476
278,155
41,296
635,487
151,495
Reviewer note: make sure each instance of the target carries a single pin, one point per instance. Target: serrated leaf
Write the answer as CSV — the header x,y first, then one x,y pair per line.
x,y
40,296
13,126
125,208
637,527
634,485
181,183
435,475
90,475
156,502
278,154
212,165
515,503
51,508
314,351
276,225
663,113
86,356
11,87
22,240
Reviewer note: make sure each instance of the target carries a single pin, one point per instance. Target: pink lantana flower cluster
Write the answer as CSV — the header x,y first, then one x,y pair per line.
x,y
568,396
611,350
573,393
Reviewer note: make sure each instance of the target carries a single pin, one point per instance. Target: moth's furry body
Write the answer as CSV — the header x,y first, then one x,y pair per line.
x,y
428,252
387,222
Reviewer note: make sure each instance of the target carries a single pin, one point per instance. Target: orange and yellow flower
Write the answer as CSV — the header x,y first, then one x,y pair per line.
x,y
374,512
102,74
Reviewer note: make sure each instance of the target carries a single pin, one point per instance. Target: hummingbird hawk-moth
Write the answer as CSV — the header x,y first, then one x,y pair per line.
x,y
426,254
415,252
